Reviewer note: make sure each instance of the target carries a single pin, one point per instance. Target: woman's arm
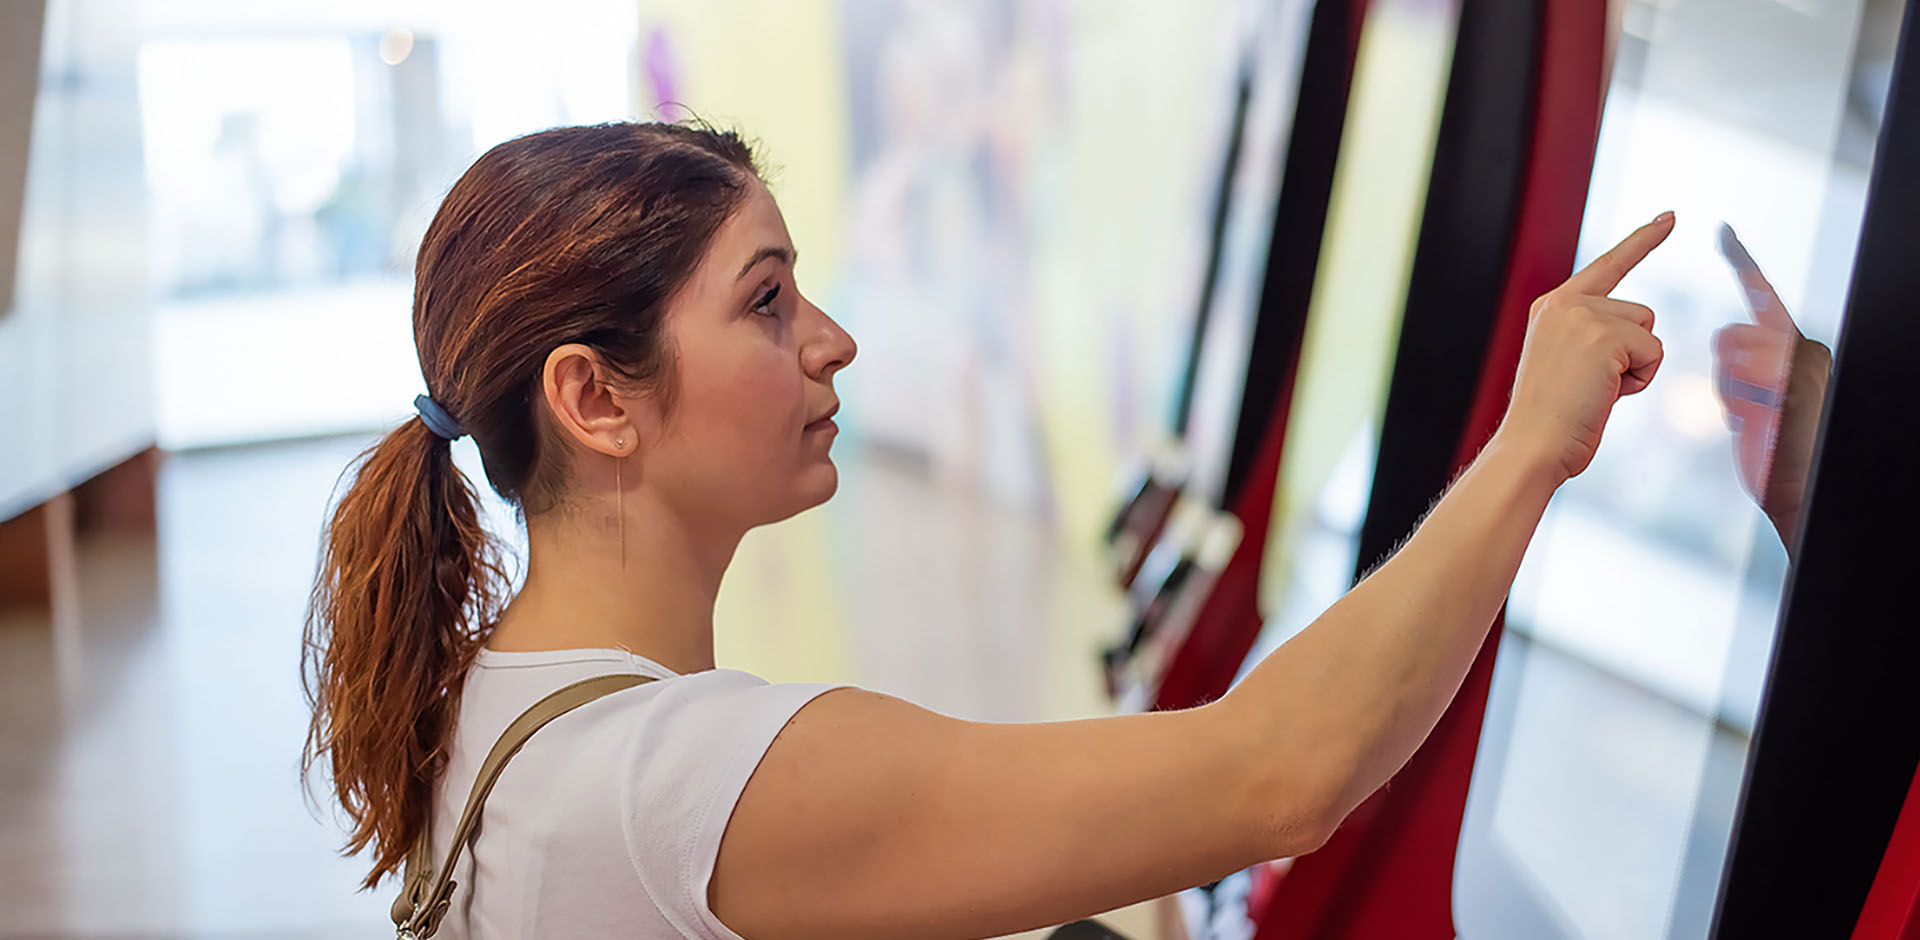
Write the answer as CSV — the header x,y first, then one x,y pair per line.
x,y
1376,671
872,817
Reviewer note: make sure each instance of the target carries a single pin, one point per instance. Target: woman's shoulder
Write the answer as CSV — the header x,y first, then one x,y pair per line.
x,y
656,768
670,745
717,702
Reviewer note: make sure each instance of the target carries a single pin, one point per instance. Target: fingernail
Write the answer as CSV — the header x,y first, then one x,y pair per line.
x,y
1662,217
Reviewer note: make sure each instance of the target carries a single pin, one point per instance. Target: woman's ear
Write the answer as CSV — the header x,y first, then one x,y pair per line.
x,y
588,407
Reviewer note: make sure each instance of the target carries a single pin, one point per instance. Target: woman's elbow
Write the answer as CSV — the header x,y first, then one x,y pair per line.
x,y
1296,794
1294,830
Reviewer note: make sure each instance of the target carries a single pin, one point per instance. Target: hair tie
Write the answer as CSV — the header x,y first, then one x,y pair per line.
x,y
436,419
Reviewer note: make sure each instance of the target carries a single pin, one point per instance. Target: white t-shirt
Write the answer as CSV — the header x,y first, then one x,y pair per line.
x,y
608,822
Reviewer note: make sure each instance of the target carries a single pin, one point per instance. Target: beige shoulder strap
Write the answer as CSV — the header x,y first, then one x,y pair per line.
x,y
426,894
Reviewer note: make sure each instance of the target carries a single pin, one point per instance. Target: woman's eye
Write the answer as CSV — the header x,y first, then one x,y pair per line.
x,y
764,306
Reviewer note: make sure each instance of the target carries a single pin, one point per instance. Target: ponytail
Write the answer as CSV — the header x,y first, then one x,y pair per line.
x,y
407,591
576,234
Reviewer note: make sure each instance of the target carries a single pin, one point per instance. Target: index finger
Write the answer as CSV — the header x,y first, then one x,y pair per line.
x,y
1763,302
1605,272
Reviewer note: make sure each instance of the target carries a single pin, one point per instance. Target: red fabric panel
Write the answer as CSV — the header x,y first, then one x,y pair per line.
x,y
1892,911
1387,874
1228,623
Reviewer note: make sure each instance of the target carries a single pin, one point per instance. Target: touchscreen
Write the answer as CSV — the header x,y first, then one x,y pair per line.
x,y
1639,628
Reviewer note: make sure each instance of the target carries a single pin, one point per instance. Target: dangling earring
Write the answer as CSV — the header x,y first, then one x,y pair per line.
x,y
620,502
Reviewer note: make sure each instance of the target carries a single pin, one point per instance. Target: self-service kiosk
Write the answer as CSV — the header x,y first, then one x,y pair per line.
x,y
1699,720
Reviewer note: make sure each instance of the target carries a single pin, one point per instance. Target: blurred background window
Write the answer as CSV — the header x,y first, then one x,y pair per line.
x,y
1006,202
294,155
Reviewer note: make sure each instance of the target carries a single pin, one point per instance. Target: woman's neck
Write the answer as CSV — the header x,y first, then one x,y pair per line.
x,y
578,594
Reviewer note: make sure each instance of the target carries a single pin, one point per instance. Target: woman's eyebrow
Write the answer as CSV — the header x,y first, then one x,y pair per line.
x,y
785,254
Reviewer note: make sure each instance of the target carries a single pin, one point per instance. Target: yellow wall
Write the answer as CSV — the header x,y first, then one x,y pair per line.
x,y
1117,115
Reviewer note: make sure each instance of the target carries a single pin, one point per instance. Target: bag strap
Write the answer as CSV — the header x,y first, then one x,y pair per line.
x,y
427,893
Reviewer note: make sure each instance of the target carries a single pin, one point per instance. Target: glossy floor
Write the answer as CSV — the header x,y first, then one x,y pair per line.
x,y
149,777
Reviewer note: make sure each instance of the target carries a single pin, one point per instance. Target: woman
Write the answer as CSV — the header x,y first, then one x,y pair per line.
x,y
611,312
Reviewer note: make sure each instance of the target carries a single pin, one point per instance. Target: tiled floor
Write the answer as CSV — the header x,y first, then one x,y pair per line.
x,y
148,786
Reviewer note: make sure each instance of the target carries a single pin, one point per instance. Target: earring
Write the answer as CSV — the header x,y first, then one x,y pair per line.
x,y
620,502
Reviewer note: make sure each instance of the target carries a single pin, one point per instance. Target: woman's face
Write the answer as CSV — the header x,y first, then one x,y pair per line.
x,y
747,440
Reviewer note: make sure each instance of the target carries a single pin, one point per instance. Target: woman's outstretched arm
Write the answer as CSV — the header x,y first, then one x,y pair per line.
x,y
871,817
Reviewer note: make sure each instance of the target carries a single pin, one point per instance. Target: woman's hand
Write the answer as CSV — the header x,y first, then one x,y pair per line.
x,y
1584,350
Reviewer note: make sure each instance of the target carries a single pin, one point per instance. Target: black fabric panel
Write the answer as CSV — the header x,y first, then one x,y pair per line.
x,y
1460,264
1299,220
1216,236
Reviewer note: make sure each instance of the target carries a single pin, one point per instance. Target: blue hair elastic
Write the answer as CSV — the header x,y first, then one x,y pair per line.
x,y
436,418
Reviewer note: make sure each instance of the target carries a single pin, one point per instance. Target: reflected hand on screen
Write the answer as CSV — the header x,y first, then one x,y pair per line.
x,y
1772,382
1584,351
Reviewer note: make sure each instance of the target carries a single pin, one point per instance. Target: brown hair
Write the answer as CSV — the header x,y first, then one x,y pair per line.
x,y
572,235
